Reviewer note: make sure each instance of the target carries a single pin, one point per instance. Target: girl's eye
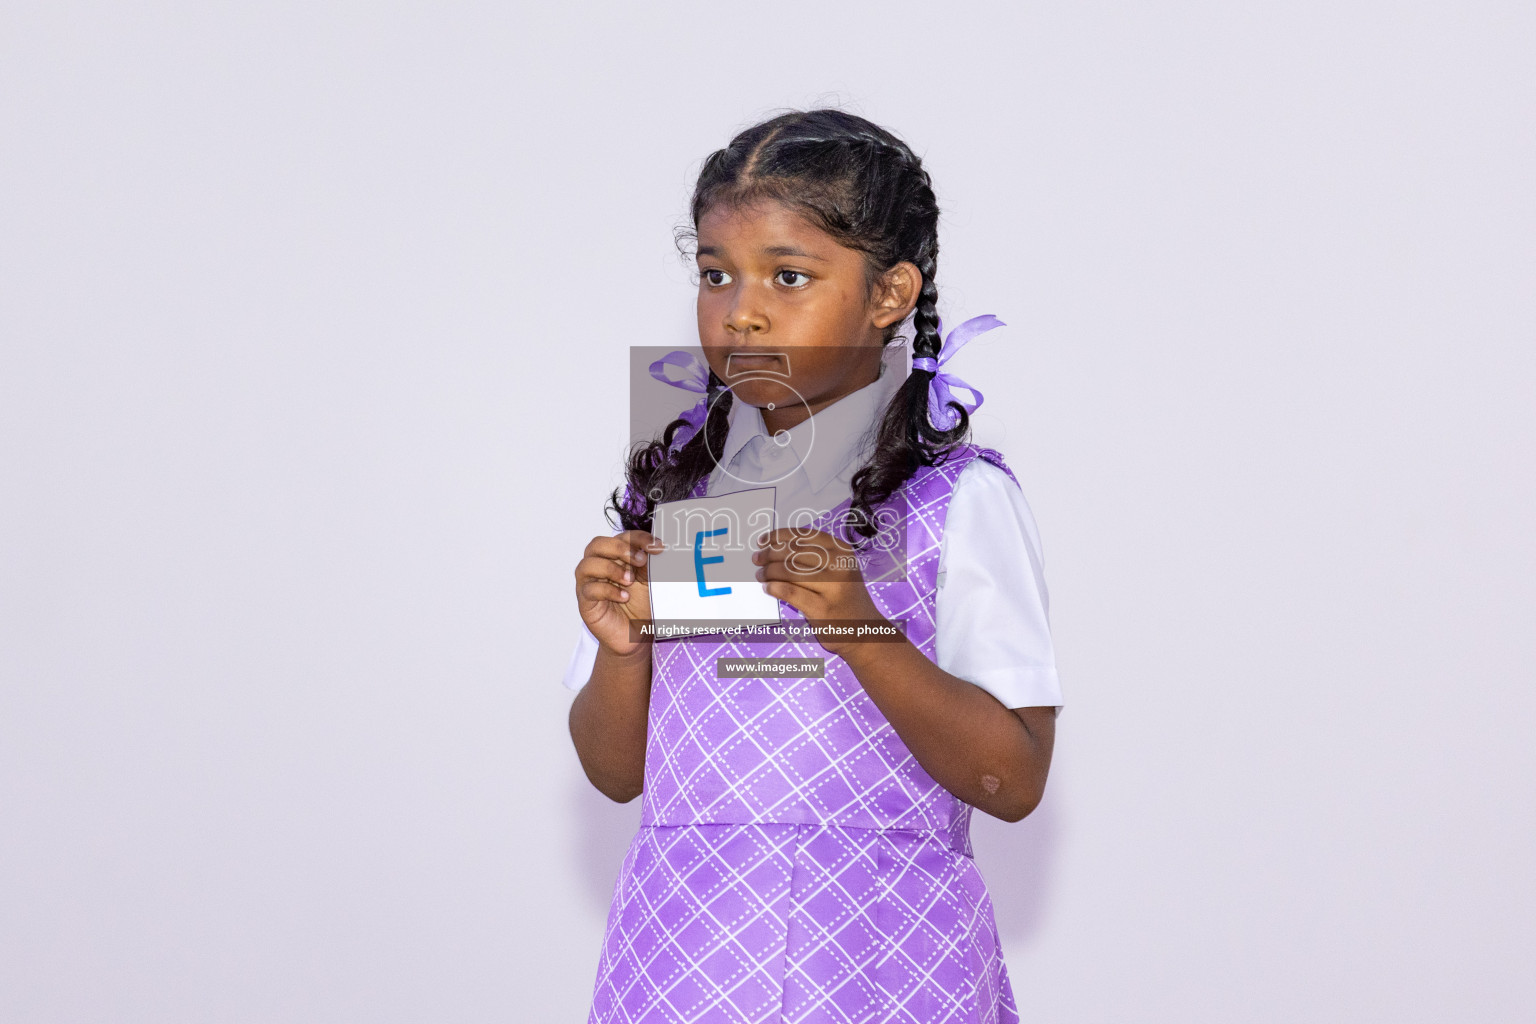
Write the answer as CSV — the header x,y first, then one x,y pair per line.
x,y
793,278
715,277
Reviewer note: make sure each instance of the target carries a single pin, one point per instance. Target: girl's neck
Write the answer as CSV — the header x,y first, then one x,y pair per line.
x,y
786,417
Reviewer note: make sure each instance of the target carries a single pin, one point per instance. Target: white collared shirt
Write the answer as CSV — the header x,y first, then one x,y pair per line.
x,y
992,606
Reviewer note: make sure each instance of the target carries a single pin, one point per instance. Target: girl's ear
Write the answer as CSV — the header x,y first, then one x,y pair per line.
x,y
894,294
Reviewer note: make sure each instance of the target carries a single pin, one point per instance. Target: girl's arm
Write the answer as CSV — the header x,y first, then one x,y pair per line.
x,y
608,723
989,756
608,716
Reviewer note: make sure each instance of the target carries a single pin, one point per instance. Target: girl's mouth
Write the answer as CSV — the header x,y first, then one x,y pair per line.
x,y
738,364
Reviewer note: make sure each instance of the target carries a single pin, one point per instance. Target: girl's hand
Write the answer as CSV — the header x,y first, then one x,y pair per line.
x,y
612,590
819,576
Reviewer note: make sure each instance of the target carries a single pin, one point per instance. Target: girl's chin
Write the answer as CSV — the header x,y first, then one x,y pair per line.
x,y
766,394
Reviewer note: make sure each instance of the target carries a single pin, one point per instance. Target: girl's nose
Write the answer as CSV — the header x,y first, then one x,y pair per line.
x,y
745,316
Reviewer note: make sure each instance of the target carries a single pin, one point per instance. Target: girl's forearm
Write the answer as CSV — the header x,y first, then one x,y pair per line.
x,y
971,744
608,723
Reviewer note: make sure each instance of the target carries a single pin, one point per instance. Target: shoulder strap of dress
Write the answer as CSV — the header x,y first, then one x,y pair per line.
x,y
996,458
924,503
959,457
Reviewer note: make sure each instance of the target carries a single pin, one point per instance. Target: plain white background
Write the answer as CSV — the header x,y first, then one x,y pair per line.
x,y
314,323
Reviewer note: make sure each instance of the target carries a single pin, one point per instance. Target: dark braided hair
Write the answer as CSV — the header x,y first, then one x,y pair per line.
x,y
867,189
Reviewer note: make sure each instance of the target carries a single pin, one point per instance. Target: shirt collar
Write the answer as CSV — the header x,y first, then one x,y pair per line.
x,y
830,440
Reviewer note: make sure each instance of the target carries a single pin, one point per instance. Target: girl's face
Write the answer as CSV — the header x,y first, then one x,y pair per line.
x,y
787,316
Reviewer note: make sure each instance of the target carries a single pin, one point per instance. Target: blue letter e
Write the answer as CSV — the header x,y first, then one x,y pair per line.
x,y
699,562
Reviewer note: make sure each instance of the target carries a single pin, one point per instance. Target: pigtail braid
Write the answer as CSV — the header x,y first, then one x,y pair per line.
x,y
656,473
906,438
925,315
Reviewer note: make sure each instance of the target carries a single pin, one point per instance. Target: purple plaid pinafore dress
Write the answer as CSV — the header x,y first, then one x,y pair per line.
x,y
794,862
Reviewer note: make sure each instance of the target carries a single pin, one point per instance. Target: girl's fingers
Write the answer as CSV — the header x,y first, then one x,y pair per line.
x,y
603,590
619,556
641,538
795,596
597,568
784,543
632,546
641,545
780,570
808,566
779,553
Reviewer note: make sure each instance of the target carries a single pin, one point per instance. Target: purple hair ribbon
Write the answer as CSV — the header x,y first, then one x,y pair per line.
x,y
941,390
695,378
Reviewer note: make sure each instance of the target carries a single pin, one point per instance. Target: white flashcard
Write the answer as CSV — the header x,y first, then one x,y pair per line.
x,y
705,576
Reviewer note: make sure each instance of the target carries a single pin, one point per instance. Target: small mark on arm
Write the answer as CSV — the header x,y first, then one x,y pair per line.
x,y
990,783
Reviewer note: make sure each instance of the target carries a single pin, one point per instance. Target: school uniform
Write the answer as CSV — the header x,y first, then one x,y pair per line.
x,y
794,861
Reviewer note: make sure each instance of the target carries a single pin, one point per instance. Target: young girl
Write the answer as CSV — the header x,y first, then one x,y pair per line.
x,y
804,849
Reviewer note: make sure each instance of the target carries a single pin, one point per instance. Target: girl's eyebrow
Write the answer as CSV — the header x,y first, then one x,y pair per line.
x,y
772,250
790,250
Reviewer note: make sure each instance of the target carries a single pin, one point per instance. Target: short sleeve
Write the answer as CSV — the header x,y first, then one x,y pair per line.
x,y
583,657
992,612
